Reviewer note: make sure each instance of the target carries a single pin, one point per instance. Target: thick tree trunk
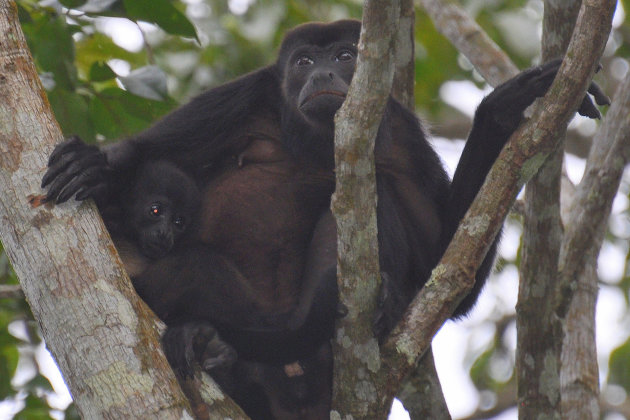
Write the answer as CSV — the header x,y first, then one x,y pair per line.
x,y
539,333
102,336
357,357
585,231
421,392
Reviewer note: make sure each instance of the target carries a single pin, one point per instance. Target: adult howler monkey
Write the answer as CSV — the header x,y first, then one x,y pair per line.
x,y
248,206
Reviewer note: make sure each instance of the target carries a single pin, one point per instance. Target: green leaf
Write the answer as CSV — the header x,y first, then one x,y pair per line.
x,y
71,111
480,368
72,413
23,15
619,366
163,14
148,82
9,357
145,109
35,409
99,47
435,63
72,4
53,49
110,118
107,8
117,113
100,71
39,382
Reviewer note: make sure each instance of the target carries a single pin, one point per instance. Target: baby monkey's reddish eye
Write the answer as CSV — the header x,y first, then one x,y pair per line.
x,y
155,209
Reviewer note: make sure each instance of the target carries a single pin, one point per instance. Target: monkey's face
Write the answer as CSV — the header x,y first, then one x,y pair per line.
x,y
316,63
317,80
157,225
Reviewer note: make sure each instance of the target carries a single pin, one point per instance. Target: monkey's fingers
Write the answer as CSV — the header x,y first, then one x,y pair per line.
x,y
72,171
90,180
68,146
218,354
587,108
598,94
98,193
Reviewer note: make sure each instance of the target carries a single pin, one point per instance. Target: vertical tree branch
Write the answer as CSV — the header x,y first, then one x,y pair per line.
x,y
539,336
581,376
421,393
585,229
404,72
357,358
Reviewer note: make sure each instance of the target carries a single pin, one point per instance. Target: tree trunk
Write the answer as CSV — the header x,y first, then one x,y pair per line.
x,y
101,334
421,392
357,356
585,231
539,333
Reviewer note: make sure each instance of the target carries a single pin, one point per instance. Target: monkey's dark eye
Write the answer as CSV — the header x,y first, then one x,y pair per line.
x,y
344,55
179,222
155,209
304,60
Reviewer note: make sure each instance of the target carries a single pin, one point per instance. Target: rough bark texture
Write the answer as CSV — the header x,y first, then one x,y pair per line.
x,y
539,335
357,358
469,39
404,73
421,392
577,286
102,336
519,160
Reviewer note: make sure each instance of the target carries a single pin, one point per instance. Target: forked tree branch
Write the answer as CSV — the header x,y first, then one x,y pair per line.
x,y
519,160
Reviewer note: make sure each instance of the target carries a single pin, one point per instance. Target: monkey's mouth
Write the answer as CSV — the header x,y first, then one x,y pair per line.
x,y
322,93
156,250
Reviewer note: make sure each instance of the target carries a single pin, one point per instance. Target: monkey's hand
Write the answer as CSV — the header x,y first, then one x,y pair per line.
x,y
77,169
196,343
507,102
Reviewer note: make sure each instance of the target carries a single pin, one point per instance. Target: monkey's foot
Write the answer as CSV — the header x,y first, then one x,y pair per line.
x,y
196,343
